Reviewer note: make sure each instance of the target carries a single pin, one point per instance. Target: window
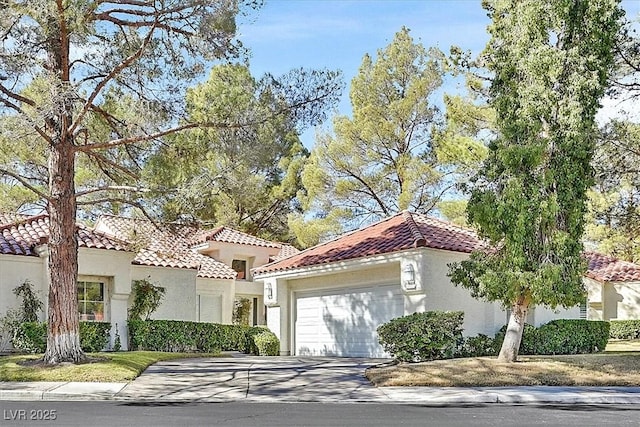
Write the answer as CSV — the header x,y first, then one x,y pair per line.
x,y
583,310
240,266
91,300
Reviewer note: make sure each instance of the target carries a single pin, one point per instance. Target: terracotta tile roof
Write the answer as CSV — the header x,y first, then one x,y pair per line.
x,y
409,230
164,245
20,238
11,217
604,268
229,235
286,251
400,232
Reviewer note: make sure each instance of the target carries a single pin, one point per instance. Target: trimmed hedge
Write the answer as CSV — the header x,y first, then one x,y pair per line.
x,y
184,336
561,336
572,336
422,336
477,346
624,329
32,336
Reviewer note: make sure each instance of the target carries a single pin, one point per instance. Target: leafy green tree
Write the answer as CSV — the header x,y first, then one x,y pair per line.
x,y
551,62
91,89
246,177
614,202
384,158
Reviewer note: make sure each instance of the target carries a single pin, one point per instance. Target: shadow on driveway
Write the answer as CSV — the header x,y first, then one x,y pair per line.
x,y
268,379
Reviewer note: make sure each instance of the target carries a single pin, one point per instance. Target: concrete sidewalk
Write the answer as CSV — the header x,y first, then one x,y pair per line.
x,y
297,379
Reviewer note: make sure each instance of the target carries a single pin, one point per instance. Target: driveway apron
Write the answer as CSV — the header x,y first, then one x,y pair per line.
x,y
264,379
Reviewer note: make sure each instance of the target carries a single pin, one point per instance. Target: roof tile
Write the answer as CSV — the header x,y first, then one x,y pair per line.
x,y
21,236
400,232
605,268
408,230
165,245
229,235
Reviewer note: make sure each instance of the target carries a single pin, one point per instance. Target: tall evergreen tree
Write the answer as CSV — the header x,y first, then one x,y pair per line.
x,y
102,83
384,158
551,63
245,177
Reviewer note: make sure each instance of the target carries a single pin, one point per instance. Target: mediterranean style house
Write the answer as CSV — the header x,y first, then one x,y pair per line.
x,y
202,271
329,299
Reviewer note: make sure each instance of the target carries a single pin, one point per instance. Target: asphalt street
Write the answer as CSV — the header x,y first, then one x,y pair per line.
x,y
111,413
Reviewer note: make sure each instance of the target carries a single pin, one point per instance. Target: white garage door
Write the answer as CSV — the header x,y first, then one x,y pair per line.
x,y
343,322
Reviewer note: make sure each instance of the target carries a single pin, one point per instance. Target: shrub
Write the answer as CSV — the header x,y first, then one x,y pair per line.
x,y
147,297
422,336
561,336
478,346
572,336
183,336
624,329
28,311
31,337
265,343
241,311
94,336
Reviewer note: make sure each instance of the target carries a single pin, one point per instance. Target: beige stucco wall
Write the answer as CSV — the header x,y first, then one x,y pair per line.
x,y
255,256
222,288
179,302
622,301
14,270
612,300
438,293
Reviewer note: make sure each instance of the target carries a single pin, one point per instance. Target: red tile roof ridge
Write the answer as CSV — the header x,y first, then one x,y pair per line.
x,y
418,238
607,268
315,255
236,236
22,221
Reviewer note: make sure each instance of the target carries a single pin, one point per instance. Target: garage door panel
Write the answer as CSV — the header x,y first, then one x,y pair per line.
x,y
343,322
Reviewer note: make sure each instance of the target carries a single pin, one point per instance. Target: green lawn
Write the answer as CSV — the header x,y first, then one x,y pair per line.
x,y
111,367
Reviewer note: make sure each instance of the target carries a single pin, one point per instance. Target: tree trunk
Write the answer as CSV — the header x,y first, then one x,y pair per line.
x,y
63,333
515,328
63,329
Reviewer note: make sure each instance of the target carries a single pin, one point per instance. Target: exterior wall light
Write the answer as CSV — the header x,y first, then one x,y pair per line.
x,y
269,291
409,277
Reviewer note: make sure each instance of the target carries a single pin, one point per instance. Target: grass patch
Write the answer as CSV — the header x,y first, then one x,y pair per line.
x,y
622,345
603,369
108,367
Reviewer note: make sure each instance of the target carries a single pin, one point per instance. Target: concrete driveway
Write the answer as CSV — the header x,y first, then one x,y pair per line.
x,y
264,379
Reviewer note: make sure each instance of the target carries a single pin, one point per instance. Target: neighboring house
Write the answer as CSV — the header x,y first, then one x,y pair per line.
x,y
203,271
613,288
329,299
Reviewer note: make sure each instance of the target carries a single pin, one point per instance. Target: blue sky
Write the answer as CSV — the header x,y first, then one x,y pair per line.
x,y
336,34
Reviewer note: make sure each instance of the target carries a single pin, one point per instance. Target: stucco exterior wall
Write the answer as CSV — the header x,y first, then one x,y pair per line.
x,y
438,293
225,289
255,256
179,302
15,270
387,273
622,301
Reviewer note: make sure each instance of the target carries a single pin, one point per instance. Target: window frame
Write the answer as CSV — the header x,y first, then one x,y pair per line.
x,y
242,274
82,298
